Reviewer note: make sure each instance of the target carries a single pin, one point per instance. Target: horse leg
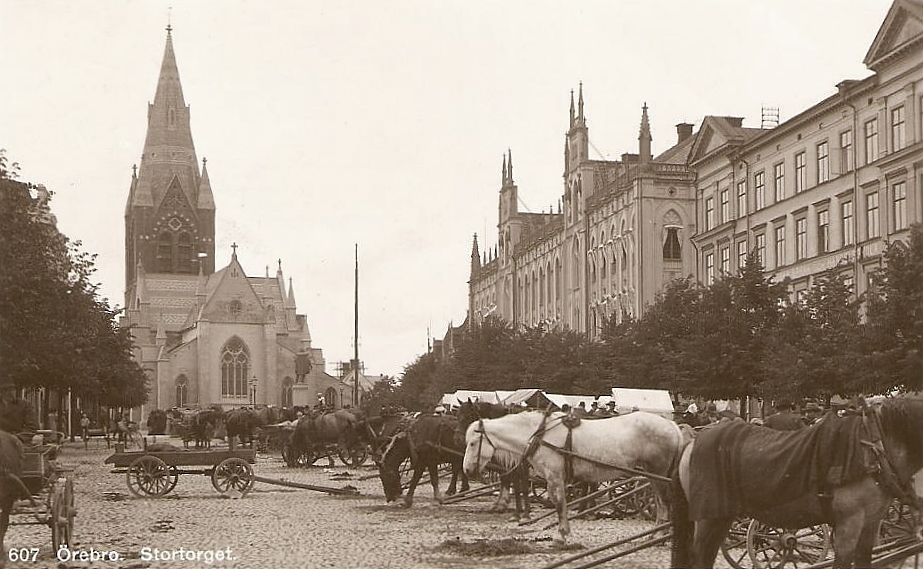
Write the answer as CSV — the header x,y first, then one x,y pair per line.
x,y
503,498
414,480
682,528
521,487
434,480
453,484
708,537
557,491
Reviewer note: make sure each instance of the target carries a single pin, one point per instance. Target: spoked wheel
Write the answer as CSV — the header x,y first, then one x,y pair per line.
x,y
897,525
233,477
62,512
734,547
405,471
300,460
174,478
774,548
149,476
355,456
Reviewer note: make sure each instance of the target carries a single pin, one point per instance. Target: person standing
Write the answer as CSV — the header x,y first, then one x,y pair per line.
x,y
84,426
784,419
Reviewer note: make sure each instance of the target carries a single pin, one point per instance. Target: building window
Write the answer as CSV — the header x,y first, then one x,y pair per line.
x,y
182,392
846,163
726,260
801,238
871,141
725,206
759,185
823,231
846,211
761,249
823,162
898,140
801,173
848,282
899,193
779,177
165,253
287,389
709,268
741,255
709,213
780,245
871,216
184,253
235,368
741,199
671,249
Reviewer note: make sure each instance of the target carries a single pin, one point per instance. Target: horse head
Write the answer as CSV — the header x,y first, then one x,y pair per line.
x,y
395,453
479,448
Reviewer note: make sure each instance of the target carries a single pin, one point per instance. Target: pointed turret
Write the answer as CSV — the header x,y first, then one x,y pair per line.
x,y
503,182
475,257
644,137
509,166
580,118
290,297
572,115
206,198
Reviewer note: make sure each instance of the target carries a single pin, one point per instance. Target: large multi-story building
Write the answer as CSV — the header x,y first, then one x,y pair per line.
x,y
829,187
617,238
205,336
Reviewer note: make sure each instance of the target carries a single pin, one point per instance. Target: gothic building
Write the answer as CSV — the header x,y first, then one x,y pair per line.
x,y
623,232
205,336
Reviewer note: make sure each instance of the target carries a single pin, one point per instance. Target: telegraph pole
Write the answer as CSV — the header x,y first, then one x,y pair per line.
x,y
356,337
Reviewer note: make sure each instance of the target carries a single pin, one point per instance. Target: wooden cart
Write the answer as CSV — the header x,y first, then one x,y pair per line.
x,y
155,473
51,487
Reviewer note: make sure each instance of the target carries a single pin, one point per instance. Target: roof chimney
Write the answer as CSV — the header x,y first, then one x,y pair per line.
x,y
683,131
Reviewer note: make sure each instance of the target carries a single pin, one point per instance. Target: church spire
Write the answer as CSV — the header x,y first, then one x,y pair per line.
x,y
572,118
475,257
290,297
644,137
505,177
580,118
509,166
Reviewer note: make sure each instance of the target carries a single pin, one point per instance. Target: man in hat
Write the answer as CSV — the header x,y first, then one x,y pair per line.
x,y
784,419
812,413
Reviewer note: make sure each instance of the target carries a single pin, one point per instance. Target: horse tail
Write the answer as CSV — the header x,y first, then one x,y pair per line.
x,y
682,527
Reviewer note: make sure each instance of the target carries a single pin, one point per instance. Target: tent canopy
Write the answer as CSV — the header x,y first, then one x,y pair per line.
x,y
651,400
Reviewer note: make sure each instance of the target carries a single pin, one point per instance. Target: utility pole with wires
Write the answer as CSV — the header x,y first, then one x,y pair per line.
x,y
356,336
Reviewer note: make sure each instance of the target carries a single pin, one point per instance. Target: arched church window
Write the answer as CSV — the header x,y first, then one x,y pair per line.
x,y
287,392
165,253
184,253
235,368
182,391
330,398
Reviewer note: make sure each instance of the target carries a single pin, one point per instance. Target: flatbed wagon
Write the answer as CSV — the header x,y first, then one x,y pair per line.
x,y
51,495
155,473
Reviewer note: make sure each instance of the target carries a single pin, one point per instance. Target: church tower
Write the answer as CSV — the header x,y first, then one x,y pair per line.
x,y
170,214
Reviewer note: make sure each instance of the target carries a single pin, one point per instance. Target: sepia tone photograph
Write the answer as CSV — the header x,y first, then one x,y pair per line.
x,y
461,284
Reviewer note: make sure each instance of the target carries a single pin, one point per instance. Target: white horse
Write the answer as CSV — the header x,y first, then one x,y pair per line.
x,y
639,441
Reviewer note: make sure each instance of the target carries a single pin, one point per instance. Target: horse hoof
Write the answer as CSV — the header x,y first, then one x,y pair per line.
x,y
405,504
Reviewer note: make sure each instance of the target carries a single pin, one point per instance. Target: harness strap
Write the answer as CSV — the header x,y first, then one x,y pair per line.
x,y
884,471
568,456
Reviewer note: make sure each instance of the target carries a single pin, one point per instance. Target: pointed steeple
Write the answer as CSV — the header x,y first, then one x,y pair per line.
x,y
644,137
168,116
572,117
505,177
580,118
475,257
509,166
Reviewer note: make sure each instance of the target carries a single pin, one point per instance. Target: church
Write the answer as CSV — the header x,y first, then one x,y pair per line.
x,y
205,336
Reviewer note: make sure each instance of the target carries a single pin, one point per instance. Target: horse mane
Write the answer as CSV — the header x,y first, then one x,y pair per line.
x,y
390,453
902,420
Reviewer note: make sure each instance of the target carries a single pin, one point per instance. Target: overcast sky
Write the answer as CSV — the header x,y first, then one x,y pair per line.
x,y
328,124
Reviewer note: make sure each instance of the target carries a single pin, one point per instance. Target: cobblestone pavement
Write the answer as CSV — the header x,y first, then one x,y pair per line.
x,y
277,527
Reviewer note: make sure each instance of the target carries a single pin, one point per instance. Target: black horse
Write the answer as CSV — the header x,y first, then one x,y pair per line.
x,y
11,485
516,480
242,424
843,471
428,442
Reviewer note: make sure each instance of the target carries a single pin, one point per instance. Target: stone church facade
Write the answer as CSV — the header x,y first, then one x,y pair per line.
x,y
205,336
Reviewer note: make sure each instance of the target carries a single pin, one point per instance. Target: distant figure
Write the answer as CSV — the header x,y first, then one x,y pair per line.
x,y
812,413
580,411
84,426
784,419
610,409
565,408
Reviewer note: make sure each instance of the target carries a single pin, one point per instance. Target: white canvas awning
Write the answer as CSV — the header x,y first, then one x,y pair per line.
x,y
651,400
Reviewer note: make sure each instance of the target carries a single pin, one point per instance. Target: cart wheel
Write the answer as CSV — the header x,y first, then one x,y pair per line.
x,y
306,458
734,547
233,477
173,479
774,548
62,512
355,456
405,472
149,476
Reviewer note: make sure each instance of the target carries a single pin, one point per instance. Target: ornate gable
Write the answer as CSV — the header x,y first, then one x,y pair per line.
x,y
707,141
175,213
233,298
901,30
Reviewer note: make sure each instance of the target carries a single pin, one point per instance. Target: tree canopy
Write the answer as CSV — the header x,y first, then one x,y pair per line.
x,y
55,331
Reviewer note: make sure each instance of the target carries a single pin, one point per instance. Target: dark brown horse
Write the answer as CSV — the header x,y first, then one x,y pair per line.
x,y
515,480
11,486
201,425
242,424
843,471
428,443
315,433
